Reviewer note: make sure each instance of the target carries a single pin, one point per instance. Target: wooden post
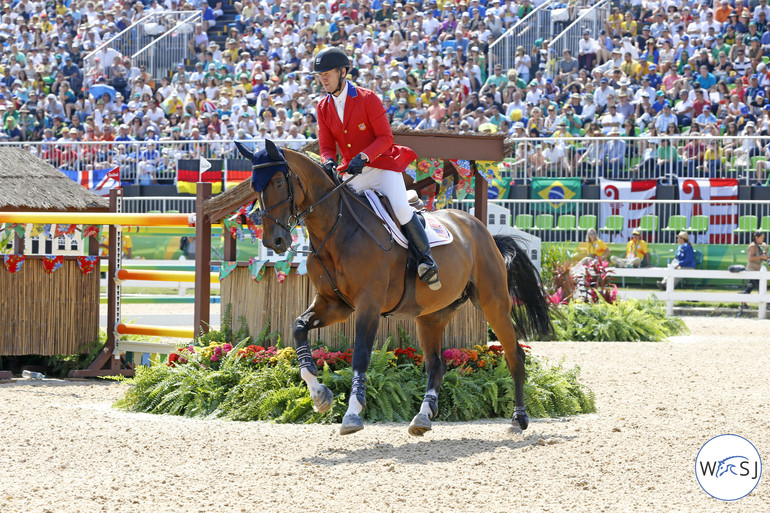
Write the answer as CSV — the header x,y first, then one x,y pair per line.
x,y
202,260
18,245
480,194
230,247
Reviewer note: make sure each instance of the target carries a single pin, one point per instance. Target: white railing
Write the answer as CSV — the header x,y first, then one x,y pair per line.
x,y
589,158
162,55
129,156
592,19
646,157
130,40
525,32
671,275
162,204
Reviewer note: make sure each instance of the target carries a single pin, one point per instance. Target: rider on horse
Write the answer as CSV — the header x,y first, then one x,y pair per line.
x,y
353,118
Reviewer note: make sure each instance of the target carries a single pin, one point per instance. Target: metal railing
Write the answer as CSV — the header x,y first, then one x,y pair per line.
x,y
162,55
158,158
542,217
162,204
130,41
648,157
592,19
525,32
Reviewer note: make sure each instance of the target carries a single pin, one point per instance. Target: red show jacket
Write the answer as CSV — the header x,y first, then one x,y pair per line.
x,y
366,129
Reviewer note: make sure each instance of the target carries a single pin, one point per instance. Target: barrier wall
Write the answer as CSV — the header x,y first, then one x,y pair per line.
x,y
48,314
281,303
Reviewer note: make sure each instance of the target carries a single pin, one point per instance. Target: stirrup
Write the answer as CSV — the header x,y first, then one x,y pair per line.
x,y
429,274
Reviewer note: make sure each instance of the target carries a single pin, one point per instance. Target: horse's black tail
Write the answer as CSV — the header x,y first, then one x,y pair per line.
x,y
531,310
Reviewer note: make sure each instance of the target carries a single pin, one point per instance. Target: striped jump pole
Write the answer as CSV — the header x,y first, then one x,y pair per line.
x,y
105,218
160,275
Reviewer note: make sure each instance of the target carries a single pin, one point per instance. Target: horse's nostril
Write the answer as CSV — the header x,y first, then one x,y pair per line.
x,y
278,242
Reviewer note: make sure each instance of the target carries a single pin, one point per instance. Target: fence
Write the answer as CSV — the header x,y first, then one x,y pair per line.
x,y
589,158
592,19
650,157
525,32
131,40
563,220
162,55
669,296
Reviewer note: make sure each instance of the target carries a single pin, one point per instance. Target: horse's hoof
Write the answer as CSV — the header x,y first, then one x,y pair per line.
x,y
420,425
351,423
323,400
521,418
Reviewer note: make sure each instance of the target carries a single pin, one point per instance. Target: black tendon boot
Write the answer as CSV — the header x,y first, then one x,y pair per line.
x,y
427,269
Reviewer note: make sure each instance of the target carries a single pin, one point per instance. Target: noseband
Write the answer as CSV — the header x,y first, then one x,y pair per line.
x,y
293,220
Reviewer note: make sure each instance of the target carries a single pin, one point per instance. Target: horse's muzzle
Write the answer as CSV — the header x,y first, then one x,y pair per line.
x,y
278,244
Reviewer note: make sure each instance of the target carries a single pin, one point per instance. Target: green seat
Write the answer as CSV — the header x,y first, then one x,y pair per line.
x,y
757,158
524,222
172,211
649,223
699,224
747,224
544,222
613,224
586,222
765,226
566,222
676,224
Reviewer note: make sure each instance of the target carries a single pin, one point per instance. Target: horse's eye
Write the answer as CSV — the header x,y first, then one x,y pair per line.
x,y
279,183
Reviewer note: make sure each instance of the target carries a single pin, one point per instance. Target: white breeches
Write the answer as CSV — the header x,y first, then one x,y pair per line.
x,y
388,183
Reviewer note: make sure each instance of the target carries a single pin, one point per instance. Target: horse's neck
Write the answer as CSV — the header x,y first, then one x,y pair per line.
x,y
321,220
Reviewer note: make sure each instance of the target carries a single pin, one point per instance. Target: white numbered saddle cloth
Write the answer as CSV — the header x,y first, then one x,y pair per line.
x,y
438,235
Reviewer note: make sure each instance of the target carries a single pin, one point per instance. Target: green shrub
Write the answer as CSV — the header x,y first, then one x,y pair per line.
x,y
630,320
268,387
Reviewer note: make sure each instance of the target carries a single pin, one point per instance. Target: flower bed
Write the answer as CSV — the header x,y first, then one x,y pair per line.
x,y
252,382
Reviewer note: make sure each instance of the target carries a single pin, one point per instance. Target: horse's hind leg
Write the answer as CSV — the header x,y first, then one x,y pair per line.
x,y
430,331
495,301
321,313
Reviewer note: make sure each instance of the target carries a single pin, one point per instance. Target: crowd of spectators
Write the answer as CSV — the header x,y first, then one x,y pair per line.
x,y
656,68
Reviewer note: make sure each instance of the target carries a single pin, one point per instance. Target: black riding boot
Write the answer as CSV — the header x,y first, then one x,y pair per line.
x,y
427,269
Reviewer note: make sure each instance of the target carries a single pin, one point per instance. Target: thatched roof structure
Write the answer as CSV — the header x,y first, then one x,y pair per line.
x,y
30,183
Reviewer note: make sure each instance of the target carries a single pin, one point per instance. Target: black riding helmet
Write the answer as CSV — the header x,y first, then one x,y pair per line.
x,y
329,59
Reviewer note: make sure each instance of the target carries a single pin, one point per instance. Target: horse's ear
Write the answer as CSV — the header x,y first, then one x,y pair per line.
x,y
272,150
244,150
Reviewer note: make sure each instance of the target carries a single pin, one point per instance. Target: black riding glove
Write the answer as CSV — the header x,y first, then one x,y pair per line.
x,y
356,165
330,166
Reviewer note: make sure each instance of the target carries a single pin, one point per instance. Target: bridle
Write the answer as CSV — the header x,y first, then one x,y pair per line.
x,y
297,218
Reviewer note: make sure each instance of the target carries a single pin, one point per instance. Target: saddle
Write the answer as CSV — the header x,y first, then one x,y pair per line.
x,y
438,235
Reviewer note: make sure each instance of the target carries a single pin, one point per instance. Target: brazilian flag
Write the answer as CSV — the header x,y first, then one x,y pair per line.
x,y
555,190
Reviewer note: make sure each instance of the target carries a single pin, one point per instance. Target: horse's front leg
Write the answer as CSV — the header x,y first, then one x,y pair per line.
x,y
322,312
367,321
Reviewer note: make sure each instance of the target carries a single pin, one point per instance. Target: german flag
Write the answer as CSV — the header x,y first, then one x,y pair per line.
x,y
188,173
238,170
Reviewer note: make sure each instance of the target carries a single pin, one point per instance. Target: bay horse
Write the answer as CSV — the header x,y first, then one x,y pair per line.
x,y
352,270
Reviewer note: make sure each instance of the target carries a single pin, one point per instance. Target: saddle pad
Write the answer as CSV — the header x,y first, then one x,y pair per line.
x,y
438,235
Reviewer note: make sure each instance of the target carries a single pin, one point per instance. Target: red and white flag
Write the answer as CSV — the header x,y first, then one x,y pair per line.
x,y
723,217
631,203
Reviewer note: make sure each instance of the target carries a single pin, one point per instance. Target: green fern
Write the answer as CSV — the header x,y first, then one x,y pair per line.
x,y
276,393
